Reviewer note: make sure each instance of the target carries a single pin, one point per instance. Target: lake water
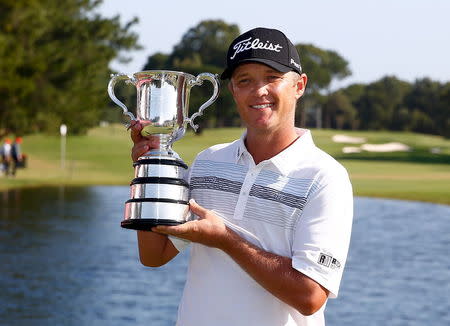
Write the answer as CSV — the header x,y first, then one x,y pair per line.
x,y
64,260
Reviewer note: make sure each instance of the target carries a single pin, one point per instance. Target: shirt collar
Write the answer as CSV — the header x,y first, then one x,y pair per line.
x,y
241,150
286,160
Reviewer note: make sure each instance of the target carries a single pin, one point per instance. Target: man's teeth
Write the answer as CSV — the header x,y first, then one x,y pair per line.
x,y
262,106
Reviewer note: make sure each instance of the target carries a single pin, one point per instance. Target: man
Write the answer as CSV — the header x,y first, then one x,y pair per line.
x,y
16,153
274,212
6,156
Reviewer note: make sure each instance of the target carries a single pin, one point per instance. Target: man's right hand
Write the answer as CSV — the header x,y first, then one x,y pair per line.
x,y
141,144
154,249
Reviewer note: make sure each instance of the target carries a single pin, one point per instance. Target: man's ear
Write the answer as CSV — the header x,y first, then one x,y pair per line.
x,y
301,85
230,88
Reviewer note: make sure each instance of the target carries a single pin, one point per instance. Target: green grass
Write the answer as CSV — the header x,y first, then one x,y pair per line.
x,y
103,157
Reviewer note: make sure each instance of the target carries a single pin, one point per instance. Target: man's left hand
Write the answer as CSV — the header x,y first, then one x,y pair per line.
x,y
209,229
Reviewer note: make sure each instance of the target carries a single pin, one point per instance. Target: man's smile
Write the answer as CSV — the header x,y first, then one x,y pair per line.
x,y
262,106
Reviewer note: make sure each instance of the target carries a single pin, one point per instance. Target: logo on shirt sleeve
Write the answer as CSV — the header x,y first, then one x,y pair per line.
x,y
328,261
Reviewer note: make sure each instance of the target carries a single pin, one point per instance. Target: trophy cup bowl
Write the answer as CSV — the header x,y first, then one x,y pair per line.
x,y
159,192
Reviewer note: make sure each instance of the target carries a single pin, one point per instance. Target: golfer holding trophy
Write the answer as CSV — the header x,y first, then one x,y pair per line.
x,y
159,193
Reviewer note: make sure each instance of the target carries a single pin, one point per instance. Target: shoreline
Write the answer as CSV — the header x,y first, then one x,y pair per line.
x,y
77,184
102,157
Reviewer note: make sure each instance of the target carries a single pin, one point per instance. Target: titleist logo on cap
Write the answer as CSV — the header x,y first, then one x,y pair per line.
x,y
256,44
265,46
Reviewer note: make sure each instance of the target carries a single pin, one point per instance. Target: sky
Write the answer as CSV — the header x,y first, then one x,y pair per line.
x,y
409,39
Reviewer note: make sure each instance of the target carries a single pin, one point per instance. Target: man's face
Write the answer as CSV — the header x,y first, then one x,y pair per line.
x,y
266,98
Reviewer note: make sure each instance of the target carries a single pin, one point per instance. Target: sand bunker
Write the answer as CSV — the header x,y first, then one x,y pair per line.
x,y
388,147
351,149
379,148
348,139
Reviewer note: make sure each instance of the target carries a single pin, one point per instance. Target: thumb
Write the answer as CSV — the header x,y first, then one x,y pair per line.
x,y
197,209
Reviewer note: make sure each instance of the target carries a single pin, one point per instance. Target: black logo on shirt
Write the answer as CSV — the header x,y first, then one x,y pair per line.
x,y
328,261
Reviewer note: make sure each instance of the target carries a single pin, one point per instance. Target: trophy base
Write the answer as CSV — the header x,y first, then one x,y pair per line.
x,y
145,224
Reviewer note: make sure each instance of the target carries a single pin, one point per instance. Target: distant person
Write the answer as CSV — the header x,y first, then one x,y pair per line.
x,y
274,212
16,155
6,153
2,167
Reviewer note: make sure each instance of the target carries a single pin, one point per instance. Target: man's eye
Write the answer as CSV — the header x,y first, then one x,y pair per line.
x,y
243,81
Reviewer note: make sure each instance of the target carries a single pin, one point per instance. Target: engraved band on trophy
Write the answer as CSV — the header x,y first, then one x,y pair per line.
x,y
159,193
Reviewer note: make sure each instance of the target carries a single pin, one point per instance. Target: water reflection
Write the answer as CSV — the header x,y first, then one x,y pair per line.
x,y
66,261
396,273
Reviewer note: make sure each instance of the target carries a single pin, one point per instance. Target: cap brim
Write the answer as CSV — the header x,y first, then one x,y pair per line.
x,y
272,64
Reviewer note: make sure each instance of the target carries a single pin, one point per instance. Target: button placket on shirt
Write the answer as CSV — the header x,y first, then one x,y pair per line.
x,y
249,180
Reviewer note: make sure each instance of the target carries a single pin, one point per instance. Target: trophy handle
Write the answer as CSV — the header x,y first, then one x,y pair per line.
x,y
198,82
114,79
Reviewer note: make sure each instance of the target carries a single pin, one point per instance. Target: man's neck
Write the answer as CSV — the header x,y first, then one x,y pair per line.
x,y
263,146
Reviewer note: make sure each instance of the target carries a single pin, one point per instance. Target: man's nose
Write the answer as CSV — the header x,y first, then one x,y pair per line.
x,y
261,89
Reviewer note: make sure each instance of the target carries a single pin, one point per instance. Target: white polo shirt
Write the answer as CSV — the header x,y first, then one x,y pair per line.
x,y
298,204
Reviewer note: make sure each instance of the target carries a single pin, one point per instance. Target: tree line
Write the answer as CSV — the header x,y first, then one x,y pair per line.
x,y
54,63
390,104
386,104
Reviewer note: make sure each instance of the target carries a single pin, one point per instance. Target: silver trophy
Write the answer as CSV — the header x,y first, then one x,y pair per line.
x,y
159,192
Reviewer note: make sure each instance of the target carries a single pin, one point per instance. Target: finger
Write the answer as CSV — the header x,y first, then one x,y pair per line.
x,y
135,133
153,141
143,146
139,150
162,229
132,123
197,209
172,230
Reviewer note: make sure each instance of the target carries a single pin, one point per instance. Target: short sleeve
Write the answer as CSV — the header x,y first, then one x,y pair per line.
x,y
322,234
178,243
